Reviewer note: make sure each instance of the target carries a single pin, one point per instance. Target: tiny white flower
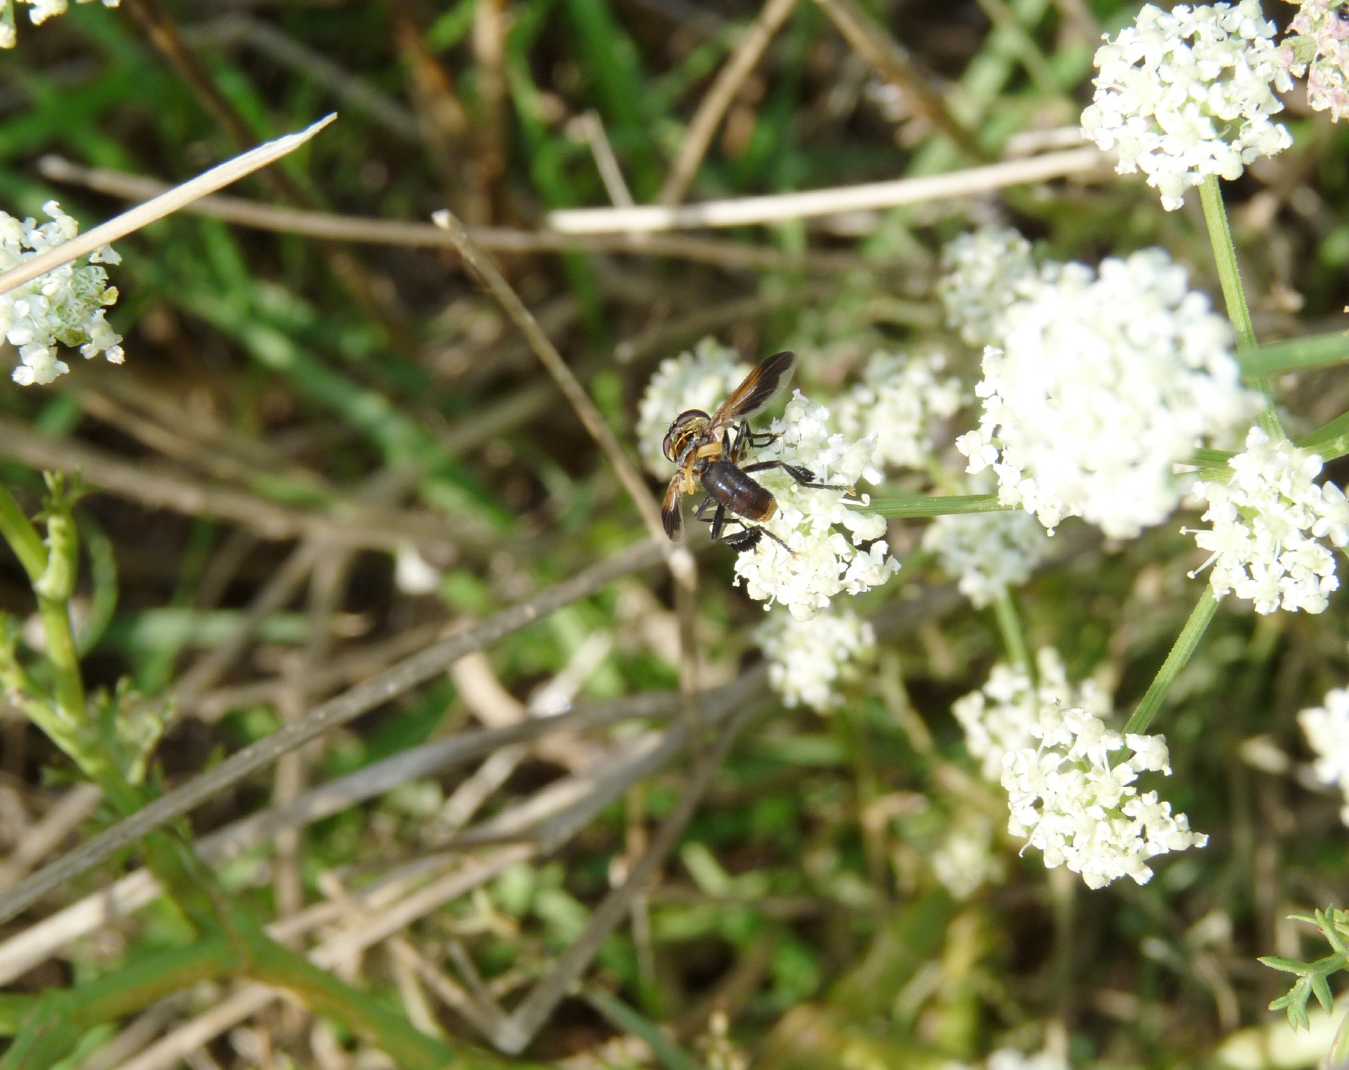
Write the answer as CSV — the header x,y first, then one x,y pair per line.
x,y
1266,522
39,11
1009,713
701,378
1188,93
827,545
987,552
966,859
1103,384
1081,811
1317,45
1010,1059
1327,730
413,574
901,402
64,307
982,273
808,659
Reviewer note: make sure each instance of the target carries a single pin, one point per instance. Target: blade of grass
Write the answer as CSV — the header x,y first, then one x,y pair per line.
x,y
161,206
624,1018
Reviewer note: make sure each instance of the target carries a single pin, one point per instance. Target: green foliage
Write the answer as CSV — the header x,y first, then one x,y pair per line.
x,y
1313,978
287,394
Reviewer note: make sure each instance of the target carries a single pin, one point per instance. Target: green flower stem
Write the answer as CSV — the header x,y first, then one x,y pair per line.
x,y
1210,458
1013,637
1225,256
1229,275
52,574
65,660
64,716
18,531
1181,651
1294,354
918,506
55,1022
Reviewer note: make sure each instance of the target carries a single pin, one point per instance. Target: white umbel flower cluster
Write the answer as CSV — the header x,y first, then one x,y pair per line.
x,y
809,659
701,378
1317,45
1268,522
1104,383
39,11
988,553
1327,731
982,273
1188,93
902,402
832,546
1083,811
999,717
63,307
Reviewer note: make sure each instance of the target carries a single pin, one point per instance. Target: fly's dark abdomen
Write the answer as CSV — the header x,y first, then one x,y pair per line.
x,y
737,491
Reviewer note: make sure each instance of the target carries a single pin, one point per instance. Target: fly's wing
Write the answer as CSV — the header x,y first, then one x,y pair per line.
x,y
760,387
669,507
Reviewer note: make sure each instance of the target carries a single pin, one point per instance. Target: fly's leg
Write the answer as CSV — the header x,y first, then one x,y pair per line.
x,y
719,522
745,538
745,437
803,475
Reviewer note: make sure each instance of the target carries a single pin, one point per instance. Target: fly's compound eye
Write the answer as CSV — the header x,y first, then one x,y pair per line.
x,y
686,427
667,445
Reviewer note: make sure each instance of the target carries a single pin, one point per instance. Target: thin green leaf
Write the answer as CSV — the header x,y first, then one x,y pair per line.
x,y
1321,990
1275,962
1330,440
623,1017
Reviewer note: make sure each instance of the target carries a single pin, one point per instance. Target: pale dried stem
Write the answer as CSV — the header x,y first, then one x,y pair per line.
x,y
315,68
327,585
328,226
683,569
888,58
332,714
748,51
353,665
491,23
275,594
591,128
161,206
73,808
778,208
26,949
480,264
30,947
373,928
530,1015
347,524
185,440
392,916
692,324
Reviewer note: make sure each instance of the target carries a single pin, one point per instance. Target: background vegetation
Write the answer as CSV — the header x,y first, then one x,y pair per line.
x,y
307,423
